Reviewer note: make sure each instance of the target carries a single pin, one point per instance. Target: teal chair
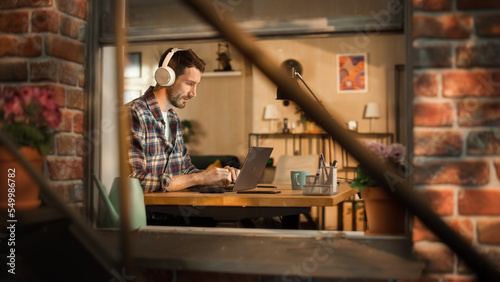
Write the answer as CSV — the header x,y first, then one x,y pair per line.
x,y
109,217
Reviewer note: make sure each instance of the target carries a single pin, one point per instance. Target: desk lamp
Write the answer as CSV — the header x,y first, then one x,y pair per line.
x,y
372,110
271,113
294,68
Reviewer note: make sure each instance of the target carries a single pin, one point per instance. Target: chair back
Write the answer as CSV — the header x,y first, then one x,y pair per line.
x,y
289,163
108,217
137,209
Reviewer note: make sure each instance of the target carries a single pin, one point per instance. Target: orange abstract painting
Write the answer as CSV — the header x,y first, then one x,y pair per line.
x,y
351,73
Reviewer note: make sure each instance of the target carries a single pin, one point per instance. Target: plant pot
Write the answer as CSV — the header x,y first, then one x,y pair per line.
x,y
312,127
384,214
24,190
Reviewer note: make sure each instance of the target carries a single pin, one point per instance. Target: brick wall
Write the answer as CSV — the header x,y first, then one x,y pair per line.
x,y
456,118
42,43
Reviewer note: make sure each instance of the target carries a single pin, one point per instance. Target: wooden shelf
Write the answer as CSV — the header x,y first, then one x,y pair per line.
x,y
221,74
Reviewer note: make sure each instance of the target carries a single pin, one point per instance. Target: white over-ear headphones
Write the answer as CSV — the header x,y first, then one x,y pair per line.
x,y
165,75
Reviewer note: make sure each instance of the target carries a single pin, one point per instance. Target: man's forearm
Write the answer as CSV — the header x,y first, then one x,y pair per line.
x,y
179,182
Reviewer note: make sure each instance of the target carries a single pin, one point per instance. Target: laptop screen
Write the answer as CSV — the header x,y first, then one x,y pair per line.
x,y
252,169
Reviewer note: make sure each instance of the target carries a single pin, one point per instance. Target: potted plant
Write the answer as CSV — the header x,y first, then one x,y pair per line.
x,y
30,117
187,130
385,216
309,125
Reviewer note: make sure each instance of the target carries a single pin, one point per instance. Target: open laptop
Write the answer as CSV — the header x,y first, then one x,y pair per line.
x,y
251,171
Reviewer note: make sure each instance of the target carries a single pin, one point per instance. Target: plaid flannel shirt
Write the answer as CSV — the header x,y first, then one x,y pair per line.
x,y
153,159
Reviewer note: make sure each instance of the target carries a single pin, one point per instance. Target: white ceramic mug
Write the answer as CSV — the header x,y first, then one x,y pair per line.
x,y
298,178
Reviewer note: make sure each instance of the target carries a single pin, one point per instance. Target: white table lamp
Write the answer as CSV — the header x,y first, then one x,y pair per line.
x,y
271,113
372,110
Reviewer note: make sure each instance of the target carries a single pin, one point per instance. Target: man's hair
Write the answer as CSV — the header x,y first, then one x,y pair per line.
x,y
183,59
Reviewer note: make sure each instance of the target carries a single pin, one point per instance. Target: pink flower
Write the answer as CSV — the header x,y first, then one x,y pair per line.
x,y
13,107
53,117
47,100
396,152
27,94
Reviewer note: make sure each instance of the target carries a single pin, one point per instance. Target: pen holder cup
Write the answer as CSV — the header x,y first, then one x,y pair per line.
x,y
325,183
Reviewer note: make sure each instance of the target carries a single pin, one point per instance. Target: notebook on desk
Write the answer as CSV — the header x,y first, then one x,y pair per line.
x,y
250,172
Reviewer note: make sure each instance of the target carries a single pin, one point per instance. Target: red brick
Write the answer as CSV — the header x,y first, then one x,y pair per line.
x,y
463,268
65,144
481,55
464,83
479,202
432,5
21,46
441,201
452,172
70,27
420,232
9,4
81,78
14,21
78,124
75,99
483,143
426,84
493,256
432,56
77,8
487,25
69,73
45,20
64,48
44,70
458,278
450,26
65,168
63,191
464,227
59,92
488,231
437,256
475,112
13,70
437,143
477,4
66,121
432,114
497,168
81,146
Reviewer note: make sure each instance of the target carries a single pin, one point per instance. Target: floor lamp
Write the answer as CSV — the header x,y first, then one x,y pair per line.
x,y
372,110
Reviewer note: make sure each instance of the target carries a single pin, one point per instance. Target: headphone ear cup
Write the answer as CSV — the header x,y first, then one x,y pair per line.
x,y
165,76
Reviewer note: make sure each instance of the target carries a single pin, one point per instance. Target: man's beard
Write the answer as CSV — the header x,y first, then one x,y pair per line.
x,y
177,101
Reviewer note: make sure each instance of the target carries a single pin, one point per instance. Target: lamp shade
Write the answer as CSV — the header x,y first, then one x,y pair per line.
x,y
372,110
271,112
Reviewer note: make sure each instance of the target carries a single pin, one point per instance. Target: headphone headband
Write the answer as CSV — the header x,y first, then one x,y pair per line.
x,y
169,56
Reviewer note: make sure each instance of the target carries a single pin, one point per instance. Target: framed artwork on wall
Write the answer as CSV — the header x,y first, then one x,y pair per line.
x,y
352,75
132,65
130,95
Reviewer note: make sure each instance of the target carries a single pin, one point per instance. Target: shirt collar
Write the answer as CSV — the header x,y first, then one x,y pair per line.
x,y
153,105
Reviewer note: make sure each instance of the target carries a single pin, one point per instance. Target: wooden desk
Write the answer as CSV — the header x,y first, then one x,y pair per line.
x,y
288,203
287,198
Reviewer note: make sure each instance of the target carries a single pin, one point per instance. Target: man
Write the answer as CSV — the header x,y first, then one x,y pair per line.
x,y
158,156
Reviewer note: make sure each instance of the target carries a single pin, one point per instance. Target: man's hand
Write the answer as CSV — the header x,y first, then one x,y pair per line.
x,y
218,176
234,172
